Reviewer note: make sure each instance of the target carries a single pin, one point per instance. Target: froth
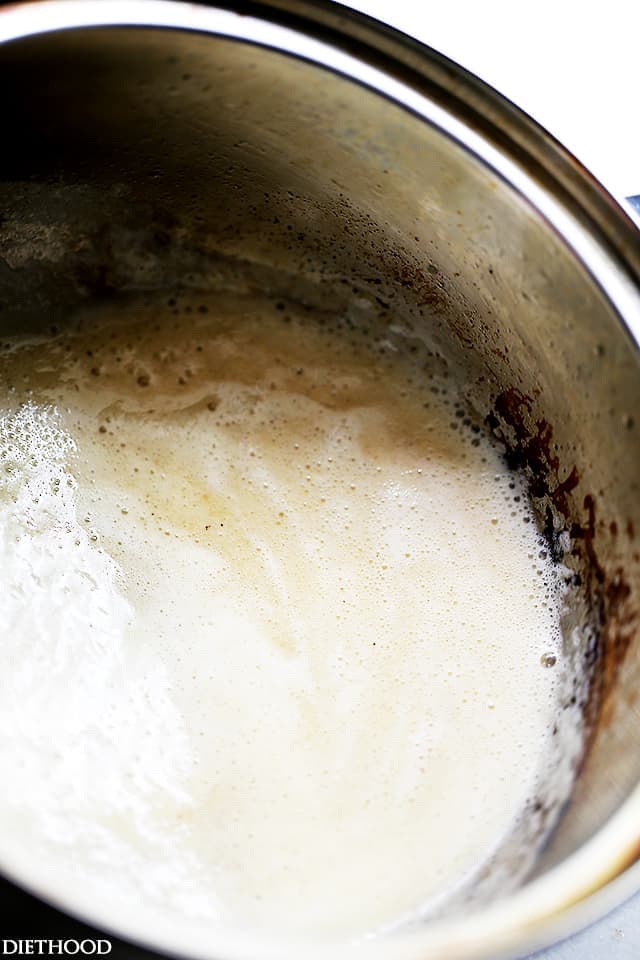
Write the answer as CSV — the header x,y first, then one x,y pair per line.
x,y
279,623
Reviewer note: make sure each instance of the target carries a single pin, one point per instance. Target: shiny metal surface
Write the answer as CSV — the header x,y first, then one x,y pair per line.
x,y
221,151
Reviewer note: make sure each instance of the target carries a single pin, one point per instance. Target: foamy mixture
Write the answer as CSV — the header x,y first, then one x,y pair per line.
x,y
280,640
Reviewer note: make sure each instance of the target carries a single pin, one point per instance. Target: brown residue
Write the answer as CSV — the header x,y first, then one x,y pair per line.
x,y
586,532
532,449
529,447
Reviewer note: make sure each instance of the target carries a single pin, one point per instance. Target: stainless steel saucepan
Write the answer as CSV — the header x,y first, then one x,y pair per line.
x,y
297,148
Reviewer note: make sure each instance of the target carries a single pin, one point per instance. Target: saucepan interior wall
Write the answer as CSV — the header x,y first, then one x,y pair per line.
x,y
140,162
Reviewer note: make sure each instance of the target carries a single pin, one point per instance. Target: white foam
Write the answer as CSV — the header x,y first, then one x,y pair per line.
x,y
295,684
